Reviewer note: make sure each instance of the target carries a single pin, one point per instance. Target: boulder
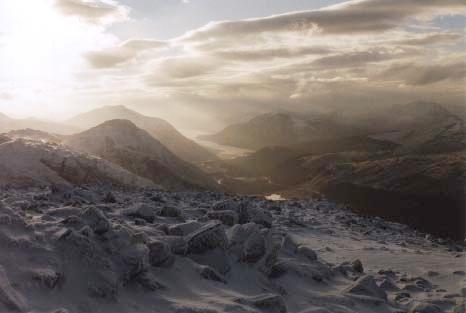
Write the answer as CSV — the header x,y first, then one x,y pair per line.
x,y
218,259
209,273
141,210
289,244
96,219
459,308
47,277
170,211
149,282
227,217
208,237
135,259
387,284
366,286
183,229
238,234
253,248
109,198
160,253
267,302
307,252
260,216
247,211
272,248
316,271
74,222
356,265
177,244
425,308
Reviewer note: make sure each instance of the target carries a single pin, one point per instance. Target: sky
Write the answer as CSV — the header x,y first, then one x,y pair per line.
x,y
210,62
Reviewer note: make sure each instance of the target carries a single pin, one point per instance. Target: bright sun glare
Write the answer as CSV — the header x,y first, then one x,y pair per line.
x,y
41,51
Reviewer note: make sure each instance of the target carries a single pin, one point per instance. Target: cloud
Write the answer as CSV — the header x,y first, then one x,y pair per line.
x,y
425,74
123,53
431,39
270,53
95,11
6,96
357,54
354,59
364,16
170,71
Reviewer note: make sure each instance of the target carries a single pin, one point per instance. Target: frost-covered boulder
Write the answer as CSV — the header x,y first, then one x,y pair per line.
x,y
289,244
246,242
238,234
253,248
96,219
266,302
209,273
170,211
46,277
247,211
307,252
316,270
135,260
366,286
272,249
425,308
227,217
141,210
238,206
178,245
183,229
209,236
260,216
160,253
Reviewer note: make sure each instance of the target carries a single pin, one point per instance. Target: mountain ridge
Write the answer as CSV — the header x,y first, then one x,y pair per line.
x,y
280,129
160,129
123,143
9,124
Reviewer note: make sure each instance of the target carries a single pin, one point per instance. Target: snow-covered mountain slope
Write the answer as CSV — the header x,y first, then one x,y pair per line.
x,y
26,162
121,142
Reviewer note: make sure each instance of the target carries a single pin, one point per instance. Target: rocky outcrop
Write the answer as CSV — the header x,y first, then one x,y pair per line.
x,y
69,248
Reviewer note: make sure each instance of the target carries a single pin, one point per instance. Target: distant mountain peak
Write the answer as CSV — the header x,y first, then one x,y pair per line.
x,y
118,123
158,128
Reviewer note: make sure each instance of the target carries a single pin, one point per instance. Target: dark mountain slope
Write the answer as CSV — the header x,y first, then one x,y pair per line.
x,y
280,129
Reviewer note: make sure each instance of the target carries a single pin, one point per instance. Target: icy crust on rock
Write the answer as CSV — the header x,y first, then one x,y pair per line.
x,y
86,250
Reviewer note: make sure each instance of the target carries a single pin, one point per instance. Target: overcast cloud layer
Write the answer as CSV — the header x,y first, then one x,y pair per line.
x,y
354,54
